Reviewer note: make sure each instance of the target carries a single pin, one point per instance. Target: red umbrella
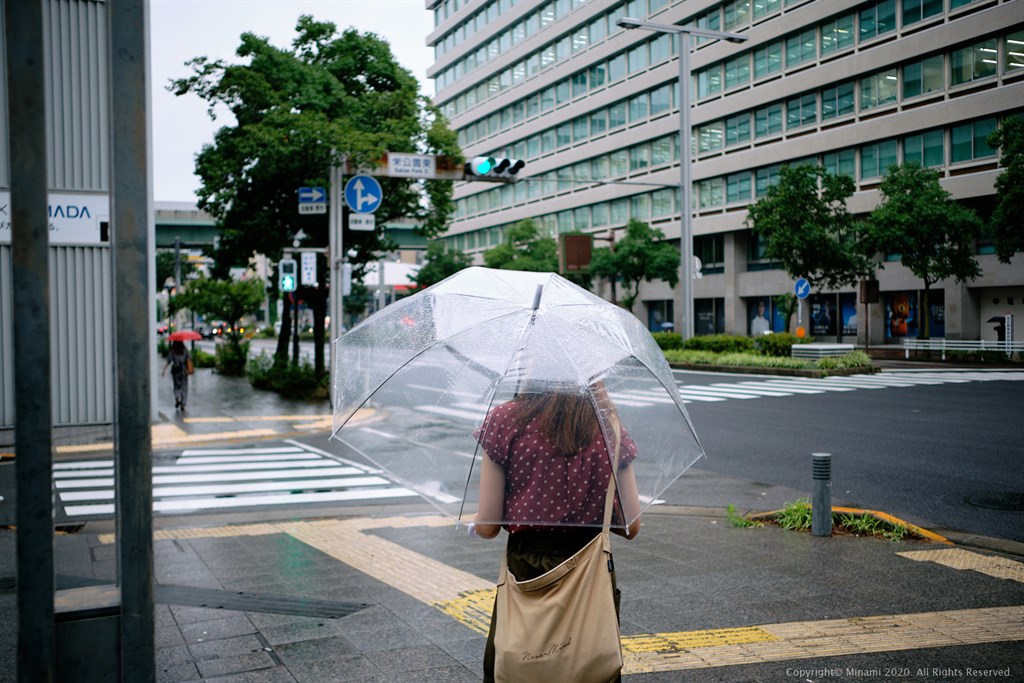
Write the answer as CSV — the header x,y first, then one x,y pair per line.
x,y
184,335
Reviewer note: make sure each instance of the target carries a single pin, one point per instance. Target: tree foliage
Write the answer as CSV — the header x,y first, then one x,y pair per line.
x,y
439,263
227,300
1007,217
297,111
524,248
165,267
919,220
808,229
642,254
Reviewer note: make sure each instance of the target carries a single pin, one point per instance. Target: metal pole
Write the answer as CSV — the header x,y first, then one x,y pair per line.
x,y
32,375
133,235
685,217
821,494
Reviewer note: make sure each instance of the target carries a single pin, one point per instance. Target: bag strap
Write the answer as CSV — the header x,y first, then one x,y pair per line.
x,y
609,500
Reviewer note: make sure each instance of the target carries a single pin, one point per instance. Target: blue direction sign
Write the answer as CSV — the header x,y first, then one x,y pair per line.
x,y
802,288
312,200
363,194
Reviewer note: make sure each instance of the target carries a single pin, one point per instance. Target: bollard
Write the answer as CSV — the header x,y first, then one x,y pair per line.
x,y
821,495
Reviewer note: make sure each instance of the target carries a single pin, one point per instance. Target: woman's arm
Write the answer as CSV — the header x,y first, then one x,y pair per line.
x,y
630,499
492,498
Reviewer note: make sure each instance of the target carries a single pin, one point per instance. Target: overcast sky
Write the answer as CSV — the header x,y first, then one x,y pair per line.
x,y
183,29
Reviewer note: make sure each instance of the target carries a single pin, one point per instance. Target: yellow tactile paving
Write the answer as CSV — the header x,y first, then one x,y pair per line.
x,y
468,599
958,558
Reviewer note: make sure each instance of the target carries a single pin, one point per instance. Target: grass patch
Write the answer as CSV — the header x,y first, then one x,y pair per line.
x,y
796,516
752,359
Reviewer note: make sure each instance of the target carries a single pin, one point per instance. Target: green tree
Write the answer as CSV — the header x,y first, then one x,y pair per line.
x,y
439,263
1006,219
228,300
808,229
642,254
933,234
297,112
524,248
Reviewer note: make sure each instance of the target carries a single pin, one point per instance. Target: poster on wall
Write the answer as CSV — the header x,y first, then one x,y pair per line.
x,y
823,316
901,315
848,314
937,313
759,316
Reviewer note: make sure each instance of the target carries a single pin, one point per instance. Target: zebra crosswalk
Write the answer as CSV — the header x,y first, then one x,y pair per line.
x,y
769,387
223,478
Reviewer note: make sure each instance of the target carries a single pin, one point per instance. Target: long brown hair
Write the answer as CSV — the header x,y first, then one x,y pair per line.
x,y
567,419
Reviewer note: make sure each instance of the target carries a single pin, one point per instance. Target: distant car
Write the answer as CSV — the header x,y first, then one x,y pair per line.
x,y
162,329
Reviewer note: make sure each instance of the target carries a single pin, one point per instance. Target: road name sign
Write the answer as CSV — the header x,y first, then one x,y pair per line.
x,y
411,165
363,194
802,288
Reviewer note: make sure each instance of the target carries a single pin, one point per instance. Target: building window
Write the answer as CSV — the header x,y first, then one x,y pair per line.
x,y
709,137
661,48
737,14
709,81
837,101
927,149
661,100
801,47
768,120
640,207
923,77
710,193
764,178
737,129
802,111
737,187
638,108
843,162
737,71
662,203
617,115
618,162
710,249
837,34
918,10
763,8
876,158
661,151
968,141
638,58
598,122
768,59
878,89
619,211
974,62
1013,53
639,157
877,19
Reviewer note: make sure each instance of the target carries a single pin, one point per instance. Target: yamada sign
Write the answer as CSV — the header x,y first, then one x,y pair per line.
x,y
74,218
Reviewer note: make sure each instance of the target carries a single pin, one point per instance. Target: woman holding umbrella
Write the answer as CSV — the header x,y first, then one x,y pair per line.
x,y
546,459
179,360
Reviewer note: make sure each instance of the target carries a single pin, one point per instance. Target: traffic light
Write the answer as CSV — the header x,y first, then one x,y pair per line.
x,y
287,270
497,170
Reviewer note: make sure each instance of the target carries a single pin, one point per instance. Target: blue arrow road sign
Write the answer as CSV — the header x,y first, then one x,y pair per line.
x,y
312,195
363,194
802,288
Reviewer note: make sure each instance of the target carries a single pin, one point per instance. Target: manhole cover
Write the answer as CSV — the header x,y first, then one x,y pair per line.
x,y
1007,501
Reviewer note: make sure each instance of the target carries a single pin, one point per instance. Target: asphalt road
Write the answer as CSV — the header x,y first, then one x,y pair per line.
x,y
932,455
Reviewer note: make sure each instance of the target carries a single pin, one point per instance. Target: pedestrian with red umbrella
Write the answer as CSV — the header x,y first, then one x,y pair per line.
x,y
180,362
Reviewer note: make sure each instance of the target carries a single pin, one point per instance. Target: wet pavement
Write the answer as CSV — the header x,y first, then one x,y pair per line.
x,y
396,593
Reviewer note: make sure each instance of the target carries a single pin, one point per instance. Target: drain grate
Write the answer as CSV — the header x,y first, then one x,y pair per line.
x,y
1005,501
237,601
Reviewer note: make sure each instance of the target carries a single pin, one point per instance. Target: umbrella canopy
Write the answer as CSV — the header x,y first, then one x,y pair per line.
x,y
184,335
481,344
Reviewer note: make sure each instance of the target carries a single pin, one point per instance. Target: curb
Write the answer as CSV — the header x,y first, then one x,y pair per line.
x,y
919,532
789,372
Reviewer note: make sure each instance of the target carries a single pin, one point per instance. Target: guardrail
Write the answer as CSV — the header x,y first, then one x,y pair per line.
x,y
943,345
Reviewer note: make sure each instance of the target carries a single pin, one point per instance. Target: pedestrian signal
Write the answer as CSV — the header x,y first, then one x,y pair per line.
x,y
287,271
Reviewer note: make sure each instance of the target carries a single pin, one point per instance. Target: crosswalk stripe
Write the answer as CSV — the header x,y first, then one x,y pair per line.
x,y
233,489
786,387
214,477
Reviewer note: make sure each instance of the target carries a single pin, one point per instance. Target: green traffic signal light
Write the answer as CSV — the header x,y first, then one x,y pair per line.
x,y
288,283
482,165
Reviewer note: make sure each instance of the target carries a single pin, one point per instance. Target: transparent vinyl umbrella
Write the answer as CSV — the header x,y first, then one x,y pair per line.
x,y
506,359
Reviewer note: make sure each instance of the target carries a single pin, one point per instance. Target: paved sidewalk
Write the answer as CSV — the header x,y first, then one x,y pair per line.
x,y
402,595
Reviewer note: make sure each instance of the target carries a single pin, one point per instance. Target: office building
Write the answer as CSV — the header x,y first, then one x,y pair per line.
x,y
851,85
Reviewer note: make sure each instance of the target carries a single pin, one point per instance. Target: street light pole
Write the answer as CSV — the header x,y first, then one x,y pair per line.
x,y
685,185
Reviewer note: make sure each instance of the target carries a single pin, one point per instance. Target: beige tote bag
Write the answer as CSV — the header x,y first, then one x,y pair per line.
x,y
561,627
